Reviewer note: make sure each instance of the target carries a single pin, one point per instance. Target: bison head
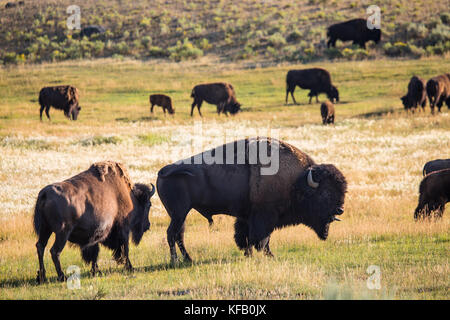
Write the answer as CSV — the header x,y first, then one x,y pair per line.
x,y
333,94
376,35
319,197
140,222
406,102
233,107
75,110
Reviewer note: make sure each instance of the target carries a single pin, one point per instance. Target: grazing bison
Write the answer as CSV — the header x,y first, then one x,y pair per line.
x,y
438,91
163,101
355,30
416,96
327,112
434,194
221,94
317,80
294,190
90,30
436,165
60,97
9,5
99,205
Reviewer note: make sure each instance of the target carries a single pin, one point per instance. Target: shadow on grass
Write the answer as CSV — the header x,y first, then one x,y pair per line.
x,y
141,119
378,114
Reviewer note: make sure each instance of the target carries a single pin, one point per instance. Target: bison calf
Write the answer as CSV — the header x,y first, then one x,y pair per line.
x,y
163,101
416,95
99,205
60,97
434,194
438,91
221,94
327,112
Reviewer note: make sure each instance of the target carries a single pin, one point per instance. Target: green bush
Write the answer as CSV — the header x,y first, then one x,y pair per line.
x,y
184,51
276,40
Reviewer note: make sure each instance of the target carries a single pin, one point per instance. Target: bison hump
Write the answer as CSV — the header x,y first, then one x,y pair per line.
x,y
104,168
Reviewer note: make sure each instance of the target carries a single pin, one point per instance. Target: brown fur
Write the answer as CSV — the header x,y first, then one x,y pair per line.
x,y
221,94
438,91
434,194
163,101
327,112
65,98
416,95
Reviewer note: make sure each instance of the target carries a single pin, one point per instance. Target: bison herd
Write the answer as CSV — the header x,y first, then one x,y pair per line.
x,y
103,206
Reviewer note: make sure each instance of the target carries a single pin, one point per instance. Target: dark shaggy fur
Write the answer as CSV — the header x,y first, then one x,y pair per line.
x,y
353,30
416,95
434,194
317,80
435,165
327,112
221,94
60,97
163,101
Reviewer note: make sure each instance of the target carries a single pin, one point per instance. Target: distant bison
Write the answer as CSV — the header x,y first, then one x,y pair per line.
x,y
90,30
163,101
9,5
317,80
353,30
434,194
287,188
60,97
438,91
99,205
416,96
221,94
327,112
435,165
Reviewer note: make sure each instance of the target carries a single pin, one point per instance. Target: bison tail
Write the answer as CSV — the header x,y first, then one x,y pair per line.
x,y
193,93
37,217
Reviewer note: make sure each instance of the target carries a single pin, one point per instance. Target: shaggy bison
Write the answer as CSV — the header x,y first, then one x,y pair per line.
x,y
90,30
99,205
436,165
293,190
327,112
60,97
221,94
434,194
416,96
438,91
163,101
317,80
355,30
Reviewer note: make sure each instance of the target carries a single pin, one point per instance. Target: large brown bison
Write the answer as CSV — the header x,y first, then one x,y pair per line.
x,y
416,95
327,112
353,30
317,80
99,205
163,101
221,94
435,165
438,91
265,183
434,194
60,97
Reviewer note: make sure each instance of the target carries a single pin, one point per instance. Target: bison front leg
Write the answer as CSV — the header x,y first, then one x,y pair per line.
x,y
47,112
264,245
40,112
151,108
241,232
261,225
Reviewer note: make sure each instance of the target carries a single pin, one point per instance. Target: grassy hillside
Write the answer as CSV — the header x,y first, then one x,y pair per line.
x,y
379,148
265,30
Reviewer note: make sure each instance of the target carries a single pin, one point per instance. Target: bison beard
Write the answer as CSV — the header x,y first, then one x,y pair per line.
x,y
301,192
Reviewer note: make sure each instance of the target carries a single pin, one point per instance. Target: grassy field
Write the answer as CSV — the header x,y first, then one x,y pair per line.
x,y
380,149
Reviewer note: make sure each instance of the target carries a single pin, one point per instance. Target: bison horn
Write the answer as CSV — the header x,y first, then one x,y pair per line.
x,y
311,182
152,192
336,219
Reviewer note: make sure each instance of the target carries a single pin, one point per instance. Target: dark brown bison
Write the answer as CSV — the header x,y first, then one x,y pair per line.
x,y
90,30
434,194
163,101
317,80
9,5
265,183
438,91
436,165
416,95
99,205
327,112
221,94
353,30
60,97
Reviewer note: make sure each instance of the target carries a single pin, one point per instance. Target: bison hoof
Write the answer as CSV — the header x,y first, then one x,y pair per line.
x,y
41,278
62,278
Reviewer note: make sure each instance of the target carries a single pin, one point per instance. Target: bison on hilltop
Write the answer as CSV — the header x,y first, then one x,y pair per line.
x,y
60,97
434,194
416,95
438,91
435,165
91,30
327,112
99,205
221,94
317,80
264,183
355,30
163,101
